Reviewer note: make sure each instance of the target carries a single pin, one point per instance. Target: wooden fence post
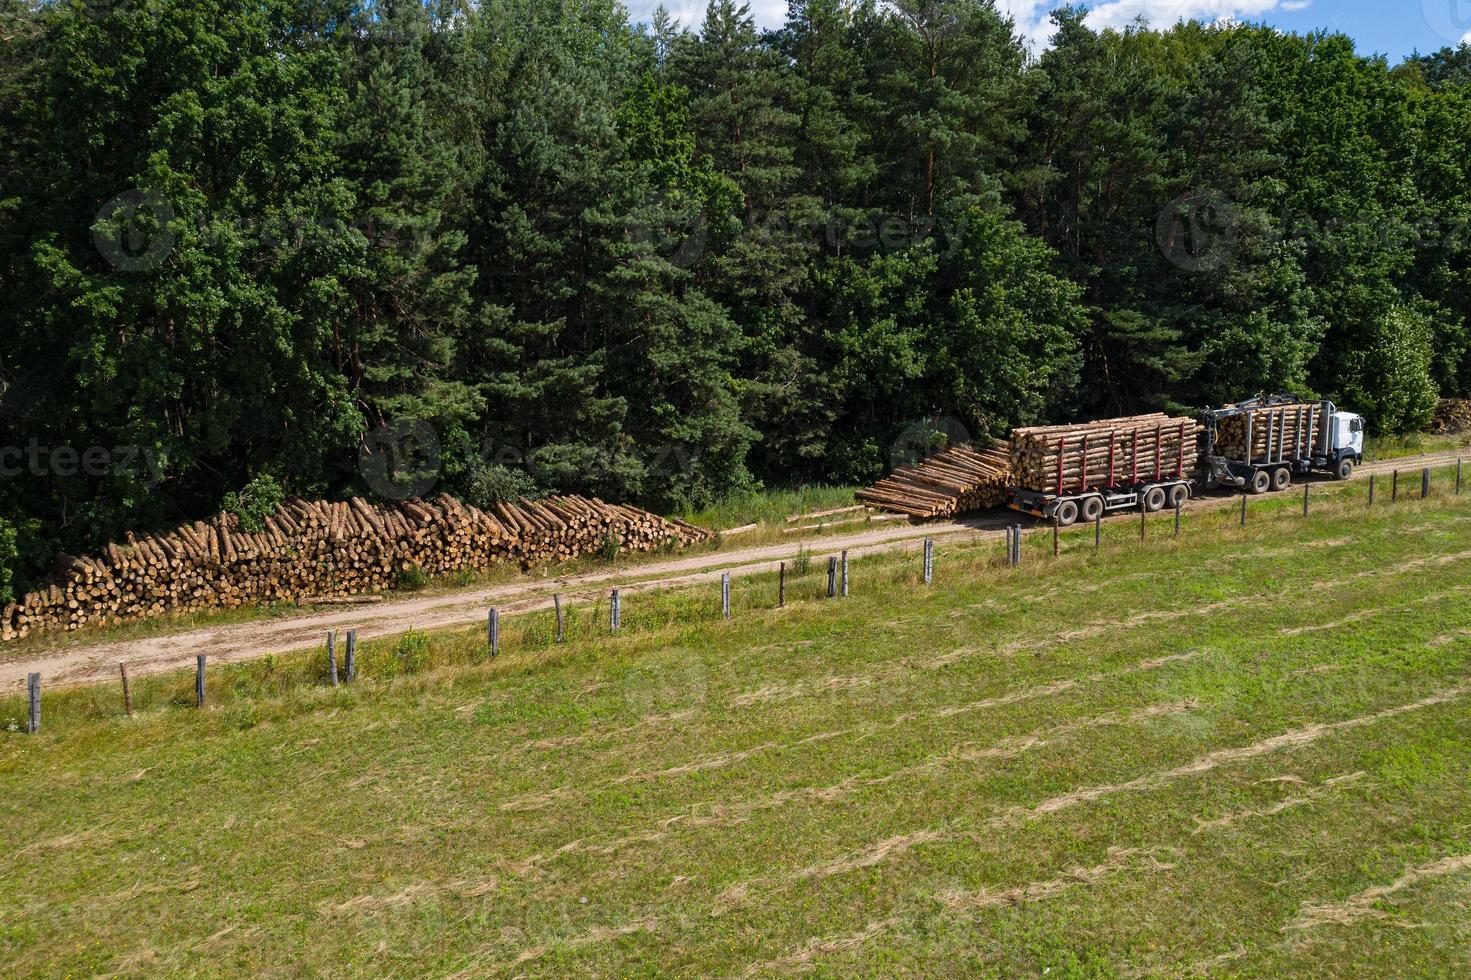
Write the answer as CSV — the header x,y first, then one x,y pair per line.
x,y
1056,538
1305,487
1425,483
615,613
1243,508
199,681
127,691
929,560
1371,489
1098,531
1179,506
845,575
1394,488
493,631
557,605
352,655
781,586
33,703
725,594
1458,476
832,577
332,656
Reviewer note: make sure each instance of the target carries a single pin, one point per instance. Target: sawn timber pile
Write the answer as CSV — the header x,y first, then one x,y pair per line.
x,y
1277,432
953,481
1111,452
322,549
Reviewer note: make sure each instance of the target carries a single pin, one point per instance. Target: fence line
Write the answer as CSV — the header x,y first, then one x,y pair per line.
x,y
838,578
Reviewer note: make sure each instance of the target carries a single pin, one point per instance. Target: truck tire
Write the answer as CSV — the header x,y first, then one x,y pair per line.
x,y
1281,479
1154,500
1344,470
1260,482
1178,495
1092,509
1066,513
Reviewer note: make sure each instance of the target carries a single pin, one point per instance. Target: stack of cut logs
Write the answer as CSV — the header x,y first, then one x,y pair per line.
x,y
321,549
951,482
1277,431
1452,417
1111,452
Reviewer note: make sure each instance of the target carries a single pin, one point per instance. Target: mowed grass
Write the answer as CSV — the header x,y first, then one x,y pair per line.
x,y
1244,752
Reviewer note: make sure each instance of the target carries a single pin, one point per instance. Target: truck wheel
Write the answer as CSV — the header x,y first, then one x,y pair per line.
x,y
1281,479
1344,469
1066,513
1154,499
1092,509
1178,496
1260,482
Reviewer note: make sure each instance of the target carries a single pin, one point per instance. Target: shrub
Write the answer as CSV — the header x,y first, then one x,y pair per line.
x,y
411,653
8,558
411,578
610,547
1389,380
802,564
254,502
493,483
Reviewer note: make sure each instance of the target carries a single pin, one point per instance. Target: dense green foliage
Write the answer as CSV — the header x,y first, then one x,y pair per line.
x,y
669,266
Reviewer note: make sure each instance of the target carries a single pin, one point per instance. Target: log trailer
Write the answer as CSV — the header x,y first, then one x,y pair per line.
x,y
1151,482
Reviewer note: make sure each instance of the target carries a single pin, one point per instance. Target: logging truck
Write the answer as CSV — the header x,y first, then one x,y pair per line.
x,y
1256,447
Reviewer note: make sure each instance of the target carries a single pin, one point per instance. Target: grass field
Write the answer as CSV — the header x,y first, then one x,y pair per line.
x,y
1240,753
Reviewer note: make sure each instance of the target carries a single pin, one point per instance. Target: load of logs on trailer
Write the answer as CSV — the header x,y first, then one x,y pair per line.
x,y
322,549
952,481
1110,452
1279,430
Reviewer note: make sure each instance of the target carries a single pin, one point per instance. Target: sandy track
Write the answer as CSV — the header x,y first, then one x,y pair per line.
x,y
97,662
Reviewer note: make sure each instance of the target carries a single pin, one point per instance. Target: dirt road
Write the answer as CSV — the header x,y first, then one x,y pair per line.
x,y
94,663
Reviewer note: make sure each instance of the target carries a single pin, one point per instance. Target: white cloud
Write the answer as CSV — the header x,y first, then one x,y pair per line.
x,y
1467,38
1031,16
1033,24
690,13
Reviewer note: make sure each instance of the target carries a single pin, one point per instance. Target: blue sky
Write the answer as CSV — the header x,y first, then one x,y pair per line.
x,y
1392,27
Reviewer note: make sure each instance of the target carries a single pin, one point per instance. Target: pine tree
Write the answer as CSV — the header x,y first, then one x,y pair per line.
x,y
744,107
409,287
606,369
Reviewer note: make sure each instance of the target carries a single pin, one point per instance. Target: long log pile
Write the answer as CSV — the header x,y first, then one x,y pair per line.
x,y
1111,452
326,550
953,481
1277,432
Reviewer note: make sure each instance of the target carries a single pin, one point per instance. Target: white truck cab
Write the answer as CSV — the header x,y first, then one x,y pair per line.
x,y
1348,434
